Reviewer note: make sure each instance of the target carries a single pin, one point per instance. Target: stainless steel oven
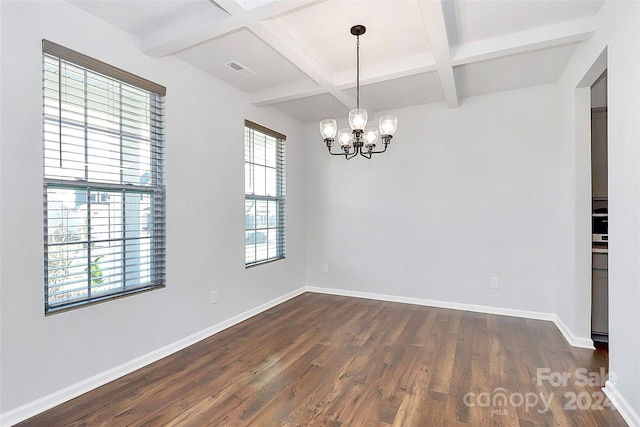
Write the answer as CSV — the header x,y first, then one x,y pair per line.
x,y
600,225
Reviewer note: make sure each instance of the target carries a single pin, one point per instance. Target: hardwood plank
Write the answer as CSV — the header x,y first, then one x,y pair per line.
x,y
443,349
325,360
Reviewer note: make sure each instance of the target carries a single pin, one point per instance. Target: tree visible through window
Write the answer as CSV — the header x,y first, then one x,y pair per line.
x,y
104,194
264,182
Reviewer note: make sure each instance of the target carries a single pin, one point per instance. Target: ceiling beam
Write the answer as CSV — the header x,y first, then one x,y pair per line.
x,y
184,32
525,41
215,23
433,17
285,93
233,7
395,69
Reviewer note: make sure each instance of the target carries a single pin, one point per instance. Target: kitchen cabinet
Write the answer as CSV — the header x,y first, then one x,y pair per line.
x,y
600,296
599,180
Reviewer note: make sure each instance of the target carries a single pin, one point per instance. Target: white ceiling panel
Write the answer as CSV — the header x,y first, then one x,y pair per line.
x,y
513,72
314,108
272,70
403,92
478,20
252,4
394,28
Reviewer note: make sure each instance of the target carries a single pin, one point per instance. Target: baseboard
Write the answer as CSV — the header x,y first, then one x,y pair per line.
x,y
622,405
570,337
35,407
436,303
537,315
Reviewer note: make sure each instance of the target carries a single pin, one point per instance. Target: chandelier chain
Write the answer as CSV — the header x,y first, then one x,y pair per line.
x,y
358,72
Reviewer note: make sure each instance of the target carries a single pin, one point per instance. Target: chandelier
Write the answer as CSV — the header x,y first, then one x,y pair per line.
x,y
359,139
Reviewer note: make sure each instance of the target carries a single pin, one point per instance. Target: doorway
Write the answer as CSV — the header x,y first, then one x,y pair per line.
x,y
599,213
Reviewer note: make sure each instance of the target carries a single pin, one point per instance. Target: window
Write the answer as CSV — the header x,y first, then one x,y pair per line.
x,y
104,192
264,200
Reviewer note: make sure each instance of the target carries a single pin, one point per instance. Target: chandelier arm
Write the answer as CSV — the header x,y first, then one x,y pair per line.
x,y
336,154
329,144
350,154
343,153
349,157
386,144
367,155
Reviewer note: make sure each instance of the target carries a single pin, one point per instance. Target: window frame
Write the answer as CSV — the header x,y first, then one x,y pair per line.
x,y
148,150
266,200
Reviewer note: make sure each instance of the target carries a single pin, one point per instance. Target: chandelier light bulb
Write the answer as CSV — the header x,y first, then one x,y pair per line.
x,y
328,128
388,125
358,118
345,137
370,137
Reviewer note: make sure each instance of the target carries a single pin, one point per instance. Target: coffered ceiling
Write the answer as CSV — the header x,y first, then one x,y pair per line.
x,y
299,56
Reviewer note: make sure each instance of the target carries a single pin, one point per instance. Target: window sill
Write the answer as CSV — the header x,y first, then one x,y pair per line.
x,y
79,304
266,261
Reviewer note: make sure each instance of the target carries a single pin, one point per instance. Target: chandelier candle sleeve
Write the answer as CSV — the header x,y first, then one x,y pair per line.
x,y
359,139
345,137
358,118
328,129
370,137
388,125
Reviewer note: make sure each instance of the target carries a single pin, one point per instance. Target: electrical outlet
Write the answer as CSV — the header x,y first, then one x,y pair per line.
x,y
325,268
214,297
494,283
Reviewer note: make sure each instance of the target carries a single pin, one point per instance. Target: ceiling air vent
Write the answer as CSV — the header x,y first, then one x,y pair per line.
x,y
241,69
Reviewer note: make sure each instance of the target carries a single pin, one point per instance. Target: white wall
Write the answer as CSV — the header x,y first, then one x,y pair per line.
x,y
462,195
205,225
619,35
599,93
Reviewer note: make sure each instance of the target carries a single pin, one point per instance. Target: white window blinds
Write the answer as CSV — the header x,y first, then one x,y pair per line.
x,y
104,190
265,184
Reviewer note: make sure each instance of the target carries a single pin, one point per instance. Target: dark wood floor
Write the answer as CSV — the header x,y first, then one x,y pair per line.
x,y
323,360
